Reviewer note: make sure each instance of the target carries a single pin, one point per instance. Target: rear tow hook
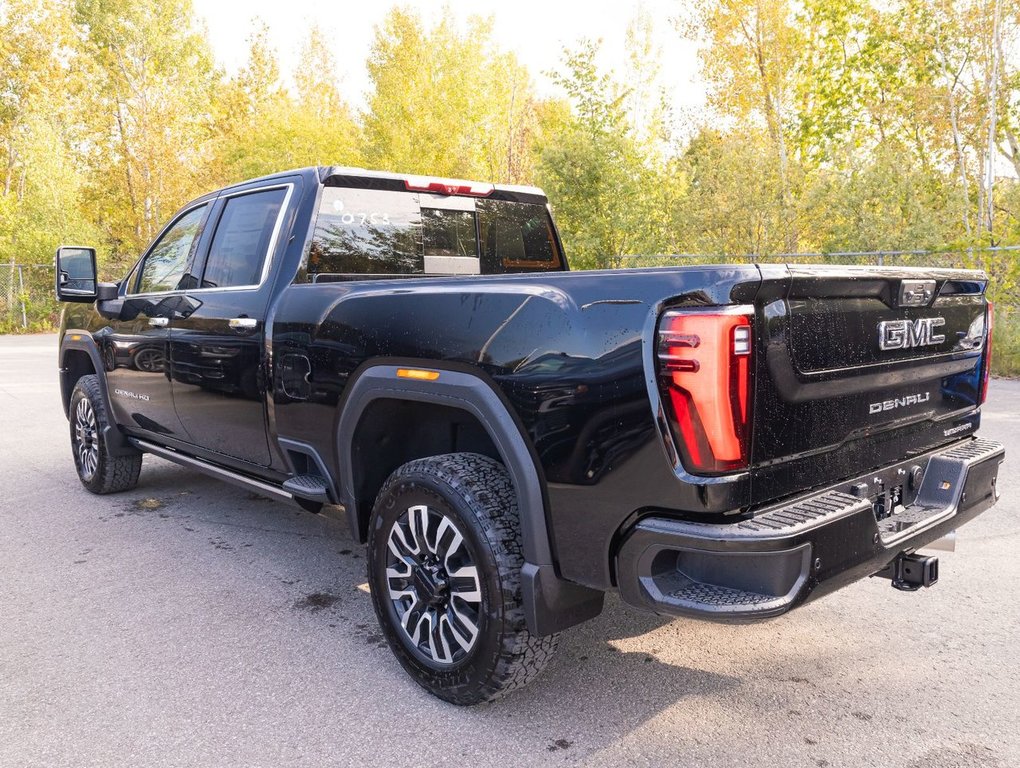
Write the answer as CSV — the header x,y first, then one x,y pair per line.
x,y
911,572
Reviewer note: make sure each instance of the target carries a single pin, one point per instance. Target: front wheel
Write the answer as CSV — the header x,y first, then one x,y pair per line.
x,y
445,568
97,469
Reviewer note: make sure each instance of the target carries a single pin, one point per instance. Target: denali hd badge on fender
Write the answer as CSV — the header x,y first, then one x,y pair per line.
x,y
903,334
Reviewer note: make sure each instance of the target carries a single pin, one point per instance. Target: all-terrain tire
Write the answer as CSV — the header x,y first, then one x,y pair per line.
x,y
476,496
98,471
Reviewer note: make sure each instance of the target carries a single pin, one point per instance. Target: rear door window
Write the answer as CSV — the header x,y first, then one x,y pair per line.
x,y
516,237
241,242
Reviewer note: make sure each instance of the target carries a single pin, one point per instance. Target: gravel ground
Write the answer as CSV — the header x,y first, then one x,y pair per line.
x,y
188,622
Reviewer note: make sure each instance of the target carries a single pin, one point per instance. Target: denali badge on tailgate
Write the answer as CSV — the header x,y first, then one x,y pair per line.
x,y
899,402
903,334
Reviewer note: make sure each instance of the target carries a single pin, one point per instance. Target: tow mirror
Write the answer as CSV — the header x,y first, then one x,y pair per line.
x,y
76,276
76,273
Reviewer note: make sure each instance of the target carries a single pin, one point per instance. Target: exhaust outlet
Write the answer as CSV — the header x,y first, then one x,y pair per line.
x,y
946,544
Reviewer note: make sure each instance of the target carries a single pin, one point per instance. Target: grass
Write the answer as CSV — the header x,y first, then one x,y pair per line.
x,y
1006,342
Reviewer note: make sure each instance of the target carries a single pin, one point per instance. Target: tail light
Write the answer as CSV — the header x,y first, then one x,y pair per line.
x,y
704,363
986,362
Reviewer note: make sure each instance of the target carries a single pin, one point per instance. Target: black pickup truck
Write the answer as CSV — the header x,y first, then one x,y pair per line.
x,y
512,439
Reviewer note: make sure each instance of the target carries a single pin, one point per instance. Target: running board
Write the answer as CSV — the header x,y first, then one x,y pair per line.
x,y
259,486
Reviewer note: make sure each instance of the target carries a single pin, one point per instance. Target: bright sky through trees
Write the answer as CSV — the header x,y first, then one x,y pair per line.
x,y
535,30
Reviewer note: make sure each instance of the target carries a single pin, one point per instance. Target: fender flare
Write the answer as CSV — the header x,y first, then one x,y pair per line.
x,y
551,603
116,441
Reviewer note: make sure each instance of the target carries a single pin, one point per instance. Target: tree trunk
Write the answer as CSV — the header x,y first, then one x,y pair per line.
x,y
10,167
961,158
993,98
127,168
1014,149
774,121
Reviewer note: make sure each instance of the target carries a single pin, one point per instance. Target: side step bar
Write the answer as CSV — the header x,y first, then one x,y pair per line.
x,y
259,486
311,487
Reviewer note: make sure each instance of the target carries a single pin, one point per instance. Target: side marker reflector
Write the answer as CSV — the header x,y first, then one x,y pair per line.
x,y
417,373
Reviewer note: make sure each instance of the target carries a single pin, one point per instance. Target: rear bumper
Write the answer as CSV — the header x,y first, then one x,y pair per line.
x,y
787,554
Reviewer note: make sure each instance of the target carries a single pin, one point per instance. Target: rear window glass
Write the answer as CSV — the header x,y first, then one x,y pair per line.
x,y
382,232
515,235
449,233
366,231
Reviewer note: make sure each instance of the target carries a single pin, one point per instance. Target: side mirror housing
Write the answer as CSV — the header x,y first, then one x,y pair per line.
x,y
76,274
107,291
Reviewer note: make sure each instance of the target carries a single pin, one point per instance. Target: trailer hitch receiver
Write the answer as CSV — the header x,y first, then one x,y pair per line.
x,y
909,572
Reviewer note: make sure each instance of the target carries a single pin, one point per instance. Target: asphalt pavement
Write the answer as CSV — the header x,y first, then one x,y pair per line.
x,y
190,623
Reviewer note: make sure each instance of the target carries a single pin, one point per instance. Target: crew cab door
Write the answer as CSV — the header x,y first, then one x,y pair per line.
x,y
135,344
216,348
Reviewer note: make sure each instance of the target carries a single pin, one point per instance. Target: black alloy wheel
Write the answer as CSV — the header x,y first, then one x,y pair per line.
x,y
444,567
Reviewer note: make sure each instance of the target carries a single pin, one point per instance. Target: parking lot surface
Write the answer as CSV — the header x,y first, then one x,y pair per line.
x,y
188,622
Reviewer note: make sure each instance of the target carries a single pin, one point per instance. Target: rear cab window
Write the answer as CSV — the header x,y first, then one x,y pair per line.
x,y
391,233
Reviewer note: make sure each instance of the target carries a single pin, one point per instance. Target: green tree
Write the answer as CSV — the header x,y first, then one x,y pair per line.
x,y
41,182
731,207
750,60
244,107
261,128
148,86
887,201
324,129
447,102
595,170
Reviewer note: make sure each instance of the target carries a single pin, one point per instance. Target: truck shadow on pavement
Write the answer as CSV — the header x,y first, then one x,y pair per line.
x,y
607,678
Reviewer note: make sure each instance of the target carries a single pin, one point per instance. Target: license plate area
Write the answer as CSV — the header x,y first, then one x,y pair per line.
x,y
891,492
915,494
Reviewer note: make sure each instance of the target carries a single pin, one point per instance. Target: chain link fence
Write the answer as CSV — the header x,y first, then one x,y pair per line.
x,y
1001,264
27,302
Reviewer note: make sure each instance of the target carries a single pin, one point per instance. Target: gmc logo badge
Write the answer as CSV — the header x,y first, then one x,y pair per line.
x,y
904,334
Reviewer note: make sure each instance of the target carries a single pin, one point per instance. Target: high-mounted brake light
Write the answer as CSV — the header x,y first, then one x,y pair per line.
x,y
448,186
986,362
705,375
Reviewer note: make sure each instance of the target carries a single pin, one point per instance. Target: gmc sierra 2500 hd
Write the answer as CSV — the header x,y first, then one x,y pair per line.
x,y
512,439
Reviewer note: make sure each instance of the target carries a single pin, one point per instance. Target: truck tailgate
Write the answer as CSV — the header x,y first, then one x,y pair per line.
x,y
861,367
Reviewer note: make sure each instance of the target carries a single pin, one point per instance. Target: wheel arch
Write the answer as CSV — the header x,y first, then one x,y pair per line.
x,y
80,356
454,391
551,603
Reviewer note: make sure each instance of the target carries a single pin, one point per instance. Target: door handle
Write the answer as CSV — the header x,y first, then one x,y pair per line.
x,y
243,323
159,322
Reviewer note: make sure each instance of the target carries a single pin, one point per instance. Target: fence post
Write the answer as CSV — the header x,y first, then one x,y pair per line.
x,y
21,286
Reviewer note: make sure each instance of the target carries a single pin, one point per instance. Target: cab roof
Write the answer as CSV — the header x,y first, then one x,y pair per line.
x,y
340,175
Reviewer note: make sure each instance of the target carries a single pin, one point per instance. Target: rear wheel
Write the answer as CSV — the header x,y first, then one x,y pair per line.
x,y
444,567
97,469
